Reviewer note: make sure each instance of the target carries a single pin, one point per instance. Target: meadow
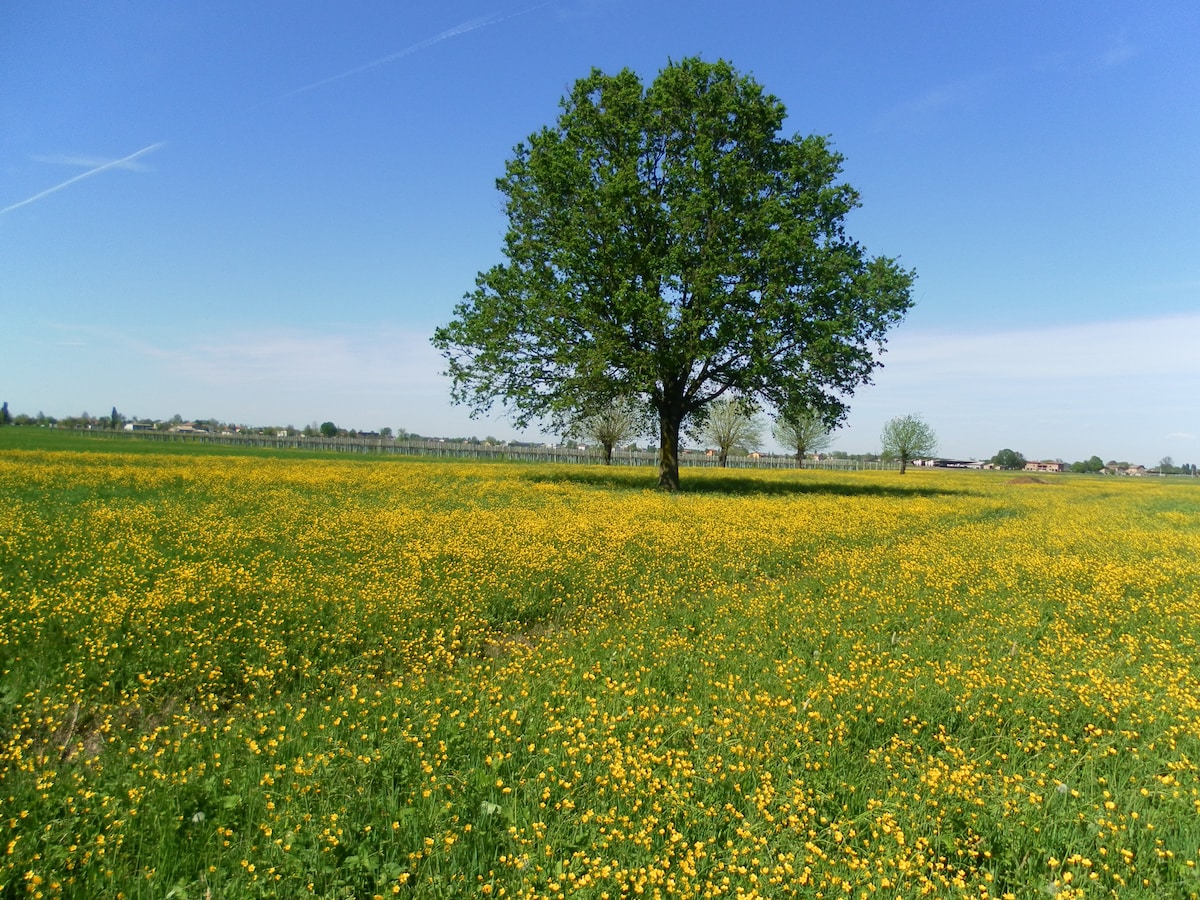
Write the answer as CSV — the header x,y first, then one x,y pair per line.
x,y
270,675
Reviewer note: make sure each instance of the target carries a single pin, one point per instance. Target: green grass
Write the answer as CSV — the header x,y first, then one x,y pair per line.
x,y
244,674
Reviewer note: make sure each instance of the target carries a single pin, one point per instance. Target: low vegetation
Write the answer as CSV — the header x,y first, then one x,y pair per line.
x,y
238,676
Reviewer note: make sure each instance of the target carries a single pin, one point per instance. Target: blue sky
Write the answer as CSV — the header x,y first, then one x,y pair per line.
x,y
259,212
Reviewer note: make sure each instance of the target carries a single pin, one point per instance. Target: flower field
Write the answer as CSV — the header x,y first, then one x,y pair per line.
x,y
227,676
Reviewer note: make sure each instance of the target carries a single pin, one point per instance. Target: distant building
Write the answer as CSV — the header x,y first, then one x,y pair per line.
x,y
1045,466
940,463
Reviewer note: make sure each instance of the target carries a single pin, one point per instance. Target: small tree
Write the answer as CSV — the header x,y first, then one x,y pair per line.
x,y
907,437
731,423
328,429
619,422
5,415
1009,459
803,432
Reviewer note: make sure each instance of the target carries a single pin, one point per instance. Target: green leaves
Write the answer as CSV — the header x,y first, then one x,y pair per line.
x,y
907,437
666,244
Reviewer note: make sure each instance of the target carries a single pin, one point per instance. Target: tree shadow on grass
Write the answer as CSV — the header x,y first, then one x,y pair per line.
x,y
701,482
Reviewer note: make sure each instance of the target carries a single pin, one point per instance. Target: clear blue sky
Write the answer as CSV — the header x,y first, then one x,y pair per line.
x,y
258,212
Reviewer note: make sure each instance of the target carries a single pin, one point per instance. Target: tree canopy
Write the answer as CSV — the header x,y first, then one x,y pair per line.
x,y
618,422
904,438
1009,459
1093,464
730,423
801,431
665,243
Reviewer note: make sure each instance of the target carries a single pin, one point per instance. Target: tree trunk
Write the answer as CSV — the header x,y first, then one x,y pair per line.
x,y
799,459
668,450
722,458
608,454
903,463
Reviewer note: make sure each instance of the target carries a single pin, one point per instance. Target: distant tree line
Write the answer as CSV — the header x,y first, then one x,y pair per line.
x,y
1166,466
731,428
1012,459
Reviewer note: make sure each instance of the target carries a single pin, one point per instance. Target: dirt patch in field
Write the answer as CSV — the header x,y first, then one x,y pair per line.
x,y
512,642
1027,479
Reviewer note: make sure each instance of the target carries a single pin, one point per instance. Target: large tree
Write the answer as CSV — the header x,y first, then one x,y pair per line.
x,y
667,243
730,423
802,431
905,438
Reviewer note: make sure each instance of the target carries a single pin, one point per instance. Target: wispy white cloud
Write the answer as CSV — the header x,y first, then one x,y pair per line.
x,y
1141,348
583,9
970,91
1119,53
352,359
1124,390
1083,60
91,162
122,163
360,377
964,92
456,31
1128,389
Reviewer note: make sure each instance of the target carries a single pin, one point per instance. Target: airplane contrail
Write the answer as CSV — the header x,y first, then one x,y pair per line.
x,y
88,174
462,28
